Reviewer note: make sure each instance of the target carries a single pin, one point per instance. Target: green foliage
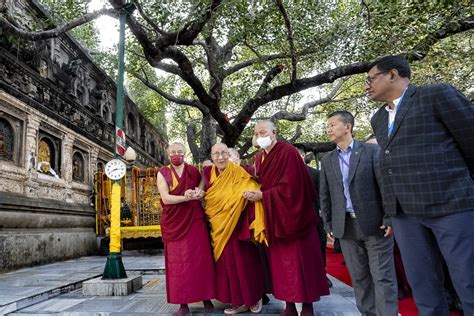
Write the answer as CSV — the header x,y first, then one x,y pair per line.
x,y
66,10
336,32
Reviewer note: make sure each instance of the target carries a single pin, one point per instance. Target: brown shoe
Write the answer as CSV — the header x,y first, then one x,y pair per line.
x,y
235,309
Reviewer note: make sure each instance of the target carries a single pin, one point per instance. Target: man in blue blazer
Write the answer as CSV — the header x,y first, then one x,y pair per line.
x,y
426,135
351,206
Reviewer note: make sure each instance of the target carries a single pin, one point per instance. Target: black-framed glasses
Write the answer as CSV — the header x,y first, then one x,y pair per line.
x,y
218,154
370,79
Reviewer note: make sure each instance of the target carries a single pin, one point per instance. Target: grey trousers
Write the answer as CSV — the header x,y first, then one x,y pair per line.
x,y
372,270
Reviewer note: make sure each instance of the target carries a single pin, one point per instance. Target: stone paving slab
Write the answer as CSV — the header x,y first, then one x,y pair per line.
x,y
151,300
37,291
25,287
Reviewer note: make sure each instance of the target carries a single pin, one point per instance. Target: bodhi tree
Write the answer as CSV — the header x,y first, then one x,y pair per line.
x,y
234,61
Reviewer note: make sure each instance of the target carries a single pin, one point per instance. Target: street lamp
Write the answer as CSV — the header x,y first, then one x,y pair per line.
x,y
114,268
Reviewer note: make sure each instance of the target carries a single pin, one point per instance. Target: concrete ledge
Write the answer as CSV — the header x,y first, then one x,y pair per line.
x,y
119,287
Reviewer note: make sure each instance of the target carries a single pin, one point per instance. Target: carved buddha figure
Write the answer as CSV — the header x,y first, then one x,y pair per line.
x,y
77,167
44,156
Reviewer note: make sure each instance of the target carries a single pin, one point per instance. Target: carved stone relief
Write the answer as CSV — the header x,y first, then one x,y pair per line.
x,y
78,167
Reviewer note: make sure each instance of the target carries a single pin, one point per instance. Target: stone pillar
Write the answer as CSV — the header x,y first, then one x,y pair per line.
x,y
31,145
66,165
94,154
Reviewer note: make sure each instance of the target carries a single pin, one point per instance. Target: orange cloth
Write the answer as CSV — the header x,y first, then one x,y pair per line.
x,y
225,203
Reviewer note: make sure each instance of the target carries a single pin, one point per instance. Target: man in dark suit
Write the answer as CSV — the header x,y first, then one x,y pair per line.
x,y
426,135
351,205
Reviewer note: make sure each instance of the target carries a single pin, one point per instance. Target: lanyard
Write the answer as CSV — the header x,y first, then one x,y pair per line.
x,y
343,161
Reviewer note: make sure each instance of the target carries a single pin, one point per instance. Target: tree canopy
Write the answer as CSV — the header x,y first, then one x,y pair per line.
x,y
224,64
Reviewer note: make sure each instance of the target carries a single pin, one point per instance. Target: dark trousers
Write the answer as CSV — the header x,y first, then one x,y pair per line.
x,y
323,239
369,260
423,243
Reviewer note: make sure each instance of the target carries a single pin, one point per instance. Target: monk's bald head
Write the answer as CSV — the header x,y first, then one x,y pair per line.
x,y
176,146
219,147
269,125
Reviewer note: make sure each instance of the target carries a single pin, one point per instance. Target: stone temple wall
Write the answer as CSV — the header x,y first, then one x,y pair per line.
x,y
57,114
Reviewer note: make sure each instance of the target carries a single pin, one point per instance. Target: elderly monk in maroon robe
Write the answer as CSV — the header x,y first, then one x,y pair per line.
x,y
296,263
190,275
234,222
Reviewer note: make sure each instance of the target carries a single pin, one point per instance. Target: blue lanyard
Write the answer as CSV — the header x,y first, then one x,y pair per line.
x,y
390,126
344,162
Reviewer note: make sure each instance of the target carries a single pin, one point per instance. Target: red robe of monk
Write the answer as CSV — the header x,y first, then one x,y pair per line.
x,y
295,258
190,274
239,270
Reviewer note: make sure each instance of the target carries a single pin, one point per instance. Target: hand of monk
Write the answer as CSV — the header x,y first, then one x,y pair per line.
x,y
253,195
189,194
199,193
195,194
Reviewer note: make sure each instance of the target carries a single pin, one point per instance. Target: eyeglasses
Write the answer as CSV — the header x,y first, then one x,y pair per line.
x,y
369,80
176,152
218,154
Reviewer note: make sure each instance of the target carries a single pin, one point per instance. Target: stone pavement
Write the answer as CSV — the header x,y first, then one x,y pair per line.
x,y
55,289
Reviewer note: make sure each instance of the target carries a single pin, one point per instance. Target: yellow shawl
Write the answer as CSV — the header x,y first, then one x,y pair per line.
x,y
225,203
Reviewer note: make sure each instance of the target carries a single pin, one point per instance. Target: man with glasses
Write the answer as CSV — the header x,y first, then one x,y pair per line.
x,y
190,275
426,135
287,192
235,223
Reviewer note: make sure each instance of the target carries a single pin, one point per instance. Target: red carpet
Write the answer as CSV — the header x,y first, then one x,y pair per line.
x,y
338,270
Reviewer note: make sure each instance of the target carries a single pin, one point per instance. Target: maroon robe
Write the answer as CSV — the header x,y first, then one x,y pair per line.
x,y
190,275
239,270
295,258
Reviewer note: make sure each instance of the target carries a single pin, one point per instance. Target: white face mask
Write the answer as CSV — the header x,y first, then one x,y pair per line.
x,y
264,142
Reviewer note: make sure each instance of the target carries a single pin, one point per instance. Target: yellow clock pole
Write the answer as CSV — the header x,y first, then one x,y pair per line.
x,y
114,268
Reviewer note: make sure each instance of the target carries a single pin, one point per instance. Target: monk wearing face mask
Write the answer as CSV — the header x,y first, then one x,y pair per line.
x,y
287,193
190,275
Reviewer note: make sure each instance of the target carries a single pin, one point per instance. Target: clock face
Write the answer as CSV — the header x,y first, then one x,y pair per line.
x,y
115,169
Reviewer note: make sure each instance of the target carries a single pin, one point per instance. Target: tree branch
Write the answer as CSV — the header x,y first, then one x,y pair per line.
x,y
250,62
8,27
317,147
155,27
169,97
449,28
246,146
187,73
269,78
289,29
172,69
191,30
297,135
191,137
364,4
289,116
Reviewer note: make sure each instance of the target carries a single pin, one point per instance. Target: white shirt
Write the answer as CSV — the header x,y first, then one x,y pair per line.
x,y
393,112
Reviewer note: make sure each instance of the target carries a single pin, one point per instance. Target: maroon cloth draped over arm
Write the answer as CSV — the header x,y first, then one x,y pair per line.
x,y
177,218
288,193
